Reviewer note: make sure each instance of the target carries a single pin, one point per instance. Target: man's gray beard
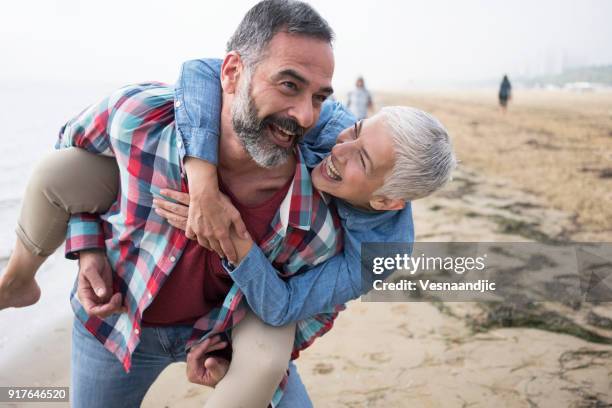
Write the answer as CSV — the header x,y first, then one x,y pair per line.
x,y
251,130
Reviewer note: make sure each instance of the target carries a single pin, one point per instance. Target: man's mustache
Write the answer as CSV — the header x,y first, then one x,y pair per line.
x,y
287,124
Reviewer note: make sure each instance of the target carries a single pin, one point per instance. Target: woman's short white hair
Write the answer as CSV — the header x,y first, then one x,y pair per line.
x,y
424,158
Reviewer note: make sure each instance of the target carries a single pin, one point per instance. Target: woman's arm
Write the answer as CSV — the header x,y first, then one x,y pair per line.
x,y
333,282
197,112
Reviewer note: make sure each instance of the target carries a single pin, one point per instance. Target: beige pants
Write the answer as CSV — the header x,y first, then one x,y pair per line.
x,y
65,182
71,181
260,359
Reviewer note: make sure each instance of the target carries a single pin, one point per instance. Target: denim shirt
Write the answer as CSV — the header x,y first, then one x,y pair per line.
x,y
333,282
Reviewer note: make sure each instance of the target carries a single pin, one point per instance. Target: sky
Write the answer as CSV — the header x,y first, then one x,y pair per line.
x,y
395,45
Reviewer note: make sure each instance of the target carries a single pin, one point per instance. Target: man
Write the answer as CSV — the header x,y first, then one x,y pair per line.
x,y
291,68
287,88
359,100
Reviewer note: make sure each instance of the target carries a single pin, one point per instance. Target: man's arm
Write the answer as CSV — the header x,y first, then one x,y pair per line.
x,y
85,235
333,282
88,130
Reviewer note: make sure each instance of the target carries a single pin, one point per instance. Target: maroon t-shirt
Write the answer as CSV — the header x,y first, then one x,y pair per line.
x,y
199,282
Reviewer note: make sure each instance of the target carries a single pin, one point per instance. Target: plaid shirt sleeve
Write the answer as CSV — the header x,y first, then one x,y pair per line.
x,y
89,131
85,231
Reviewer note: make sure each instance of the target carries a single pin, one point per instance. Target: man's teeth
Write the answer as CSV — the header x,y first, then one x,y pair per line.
x,y
331,170
284,134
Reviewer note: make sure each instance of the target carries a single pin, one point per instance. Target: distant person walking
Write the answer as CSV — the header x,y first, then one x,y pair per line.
x,y
505,93
359,100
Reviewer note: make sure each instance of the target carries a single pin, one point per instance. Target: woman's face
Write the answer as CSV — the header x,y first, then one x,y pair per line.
x,y
359,162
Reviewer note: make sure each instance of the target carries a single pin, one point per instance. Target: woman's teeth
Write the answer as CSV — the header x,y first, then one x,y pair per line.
x,y
332,172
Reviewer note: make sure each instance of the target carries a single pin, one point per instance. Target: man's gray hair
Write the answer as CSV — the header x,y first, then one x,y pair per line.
x,y
424,158
270,17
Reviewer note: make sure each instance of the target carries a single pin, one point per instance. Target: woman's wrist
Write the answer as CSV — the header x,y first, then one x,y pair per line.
x,y
201,177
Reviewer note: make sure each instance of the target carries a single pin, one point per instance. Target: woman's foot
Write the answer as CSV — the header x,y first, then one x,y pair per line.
x,y
17,285
18,292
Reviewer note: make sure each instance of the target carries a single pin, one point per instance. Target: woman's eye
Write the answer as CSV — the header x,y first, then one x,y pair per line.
x,y
362,161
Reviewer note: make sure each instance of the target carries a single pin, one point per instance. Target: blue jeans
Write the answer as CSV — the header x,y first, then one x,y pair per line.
x,y
99,380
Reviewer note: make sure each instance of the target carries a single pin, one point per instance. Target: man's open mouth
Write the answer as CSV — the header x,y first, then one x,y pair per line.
x,y
330,170
280,136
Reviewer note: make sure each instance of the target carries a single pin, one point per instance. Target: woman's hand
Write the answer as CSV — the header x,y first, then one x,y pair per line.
x,y
177,214
211,214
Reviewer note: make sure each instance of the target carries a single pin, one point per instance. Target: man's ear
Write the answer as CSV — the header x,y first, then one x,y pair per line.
x,y
384,204
230,72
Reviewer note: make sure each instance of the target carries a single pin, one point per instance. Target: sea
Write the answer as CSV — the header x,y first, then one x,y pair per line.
x,y
31,114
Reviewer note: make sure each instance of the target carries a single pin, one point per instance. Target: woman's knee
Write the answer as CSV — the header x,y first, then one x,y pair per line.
x,y
76,180
47,174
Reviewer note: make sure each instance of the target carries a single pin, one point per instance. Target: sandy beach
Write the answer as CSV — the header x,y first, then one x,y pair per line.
x,y
542,171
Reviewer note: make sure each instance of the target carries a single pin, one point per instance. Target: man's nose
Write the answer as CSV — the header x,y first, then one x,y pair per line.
x,y
304,113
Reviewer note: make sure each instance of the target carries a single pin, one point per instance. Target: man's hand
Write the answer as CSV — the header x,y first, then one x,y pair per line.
x,y
203,369
95,283
175,213
211,213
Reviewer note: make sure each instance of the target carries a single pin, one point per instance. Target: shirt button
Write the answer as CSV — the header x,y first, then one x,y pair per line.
x,y
179,143
137,331
172,259
177,104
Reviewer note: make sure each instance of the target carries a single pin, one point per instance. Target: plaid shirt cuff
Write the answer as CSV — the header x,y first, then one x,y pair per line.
x,y
84,232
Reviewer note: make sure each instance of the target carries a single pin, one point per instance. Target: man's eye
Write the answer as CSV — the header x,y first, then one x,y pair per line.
x,y
320,98
290,85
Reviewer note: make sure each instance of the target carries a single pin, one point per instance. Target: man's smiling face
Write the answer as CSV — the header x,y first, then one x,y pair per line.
x,y
277,103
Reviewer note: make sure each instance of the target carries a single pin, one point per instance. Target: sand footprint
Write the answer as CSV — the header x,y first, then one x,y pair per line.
x,y
323,368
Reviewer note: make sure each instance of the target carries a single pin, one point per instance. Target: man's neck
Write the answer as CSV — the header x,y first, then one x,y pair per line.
x,y
232,154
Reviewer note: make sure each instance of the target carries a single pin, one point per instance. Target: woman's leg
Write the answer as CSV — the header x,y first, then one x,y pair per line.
x,y
65,182
260,359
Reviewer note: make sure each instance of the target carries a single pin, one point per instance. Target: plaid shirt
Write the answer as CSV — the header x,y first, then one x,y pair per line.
x,y
136,126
